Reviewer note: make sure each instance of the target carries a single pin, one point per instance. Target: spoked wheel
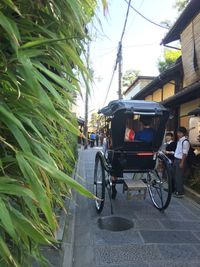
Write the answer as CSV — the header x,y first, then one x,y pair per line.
x,y
159,183
99,183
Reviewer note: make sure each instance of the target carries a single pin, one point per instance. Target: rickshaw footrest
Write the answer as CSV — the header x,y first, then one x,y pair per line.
x,y
135,189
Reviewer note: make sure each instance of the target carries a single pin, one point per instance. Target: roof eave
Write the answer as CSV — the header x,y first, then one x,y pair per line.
x,y
158,80
184,19
186,94
136,80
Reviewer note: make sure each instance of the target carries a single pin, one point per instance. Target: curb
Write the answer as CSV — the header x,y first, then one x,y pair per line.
x,y
68,246
68,237
192,194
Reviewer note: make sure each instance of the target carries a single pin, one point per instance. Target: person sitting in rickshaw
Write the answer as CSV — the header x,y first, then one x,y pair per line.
x,y
129,132
147,133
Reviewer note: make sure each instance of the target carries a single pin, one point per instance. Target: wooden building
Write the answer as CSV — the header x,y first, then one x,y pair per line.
x,y
187,30
164,87
178,88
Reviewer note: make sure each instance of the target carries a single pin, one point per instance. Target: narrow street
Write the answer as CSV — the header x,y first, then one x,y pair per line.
x,y
157,239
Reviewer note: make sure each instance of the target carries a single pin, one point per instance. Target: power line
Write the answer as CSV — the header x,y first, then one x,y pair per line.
x,y
134,18
118,58
110,83
157,24
105,54
141,45
125,22
120,53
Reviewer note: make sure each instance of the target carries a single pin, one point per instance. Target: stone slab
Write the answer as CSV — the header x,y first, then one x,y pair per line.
x,y
179,252
181,225
168,237
83,256
181,263
125,254
113,238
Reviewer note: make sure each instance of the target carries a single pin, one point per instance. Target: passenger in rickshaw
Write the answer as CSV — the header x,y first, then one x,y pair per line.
x,y
129,132
147,133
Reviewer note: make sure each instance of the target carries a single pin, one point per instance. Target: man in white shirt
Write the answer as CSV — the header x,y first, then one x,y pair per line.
x,y
180,156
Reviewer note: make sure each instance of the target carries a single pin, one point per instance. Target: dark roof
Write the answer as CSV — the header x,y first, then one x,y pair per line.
x,y
137,79
161,79
195,111
134,106
188,93
191,10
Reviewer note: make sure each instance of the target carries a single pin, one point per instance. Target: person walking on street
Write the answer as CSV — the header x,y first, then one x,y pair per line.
x,y
179,164
101,138
92,139
97,139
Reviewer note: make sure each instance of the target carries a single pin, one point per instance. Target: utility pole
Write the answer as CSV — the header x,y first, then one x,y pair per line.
x,y
86,100
119,59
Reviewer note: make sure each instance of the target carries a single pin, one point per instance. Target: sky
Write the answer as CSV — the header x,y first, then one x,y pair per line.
x,y
140,46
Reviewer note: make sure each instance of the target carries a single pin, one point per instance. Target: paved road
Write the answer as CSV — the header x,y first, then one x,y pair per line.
x,y
156,240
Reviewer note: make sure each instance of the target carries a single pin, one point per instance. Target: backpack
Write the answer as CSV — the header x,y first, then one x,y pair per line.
x,y
191,156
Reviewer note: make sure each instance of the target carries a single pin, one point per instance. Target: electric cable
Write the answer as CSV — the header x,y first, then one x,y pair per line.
x,y
149,20
141,45
133,18
109,52
125,22
110,83
118,51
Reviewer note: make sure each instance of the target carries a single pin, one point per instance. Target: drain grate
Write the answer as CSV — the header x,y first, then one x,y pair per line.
x,y
114,223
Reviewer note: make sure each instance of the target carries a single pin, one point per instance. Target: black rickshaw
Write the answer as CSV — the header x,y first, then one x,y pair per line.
x,y
134,156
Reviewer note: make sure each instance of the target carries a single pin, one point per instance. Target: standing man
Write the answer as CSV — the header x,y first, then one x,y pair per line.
x,y
179,165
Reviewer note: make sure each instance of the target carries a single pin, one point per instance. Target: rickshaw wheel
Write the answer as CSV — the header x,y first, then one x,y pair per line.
x,y
159,183
99,183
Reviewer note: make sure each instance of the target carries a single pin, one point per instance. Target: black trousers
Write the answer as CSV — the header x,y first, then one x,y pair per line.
x,y
178,176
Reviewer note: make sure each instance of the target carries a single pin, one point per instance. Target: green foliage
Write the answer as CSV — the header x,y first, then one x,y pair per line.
x,y
94,119
129,77
40,47
180,4
169,58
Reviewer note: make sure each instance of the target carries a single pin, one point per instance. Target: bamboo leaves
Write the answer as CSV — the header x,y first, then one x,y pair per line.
x,y
58,175
10,29
40,54
6,220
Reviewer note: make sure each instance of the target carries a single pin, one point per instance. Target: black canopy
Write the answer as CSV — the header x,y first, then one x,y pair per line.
x,y
134,106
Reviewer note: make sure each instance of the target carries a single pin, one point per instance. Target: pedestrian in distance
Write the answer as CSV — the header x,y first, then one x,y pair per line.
x,y
179,164
92,139
101,137
97,139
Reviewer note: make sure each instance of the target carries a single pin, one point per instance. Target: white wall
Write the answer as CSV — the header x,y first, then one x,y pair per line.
x,y
136,88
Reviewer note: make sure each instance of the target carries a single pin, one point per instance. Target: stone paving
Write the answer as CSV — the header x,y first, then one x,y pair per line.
x,y
157,239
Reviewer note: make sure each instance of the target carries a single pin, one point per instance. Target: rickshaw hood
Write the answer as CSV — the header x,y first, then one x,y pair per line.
x,y
134,106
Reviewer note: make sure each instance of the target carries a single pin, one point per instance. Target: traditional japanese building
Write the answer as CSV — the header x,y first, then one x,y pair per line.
x,y
178,88
138,84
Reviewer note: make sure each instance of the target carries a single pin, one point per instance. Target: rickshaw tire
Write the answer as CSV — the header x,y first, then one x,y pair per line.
x,y
169,191
99,164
